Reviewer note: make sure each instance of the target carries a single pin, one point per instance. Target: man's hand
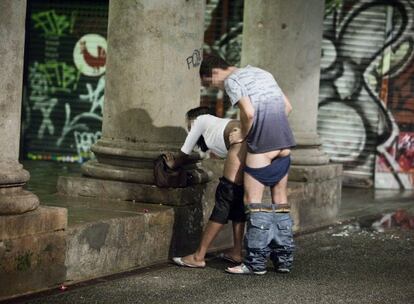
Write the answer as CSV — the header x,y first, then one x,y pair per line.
x,y
235,136
169,160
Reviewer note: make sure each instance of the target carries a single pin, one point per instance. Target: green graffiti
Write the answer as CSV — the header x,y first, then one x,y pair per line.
x,y
331,5
54,76
24,262
53,24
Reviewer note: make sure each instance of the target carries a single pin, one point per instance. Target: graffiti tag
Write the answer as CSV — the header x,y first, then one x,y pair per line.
x,y
195,59
53,24
59,76
84,141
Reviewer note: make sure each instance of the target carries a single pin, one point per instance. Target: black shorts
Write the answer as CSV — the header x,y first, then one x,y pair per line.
x,y
229,203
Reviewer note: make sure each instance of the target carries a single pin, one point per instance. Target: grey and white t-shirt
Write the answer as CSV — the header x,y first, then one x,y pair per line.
x,y
270,130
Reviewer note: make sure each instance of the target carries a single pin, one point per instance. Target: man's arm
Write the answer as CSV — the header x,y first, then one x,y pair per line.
x,y
288,106
246,115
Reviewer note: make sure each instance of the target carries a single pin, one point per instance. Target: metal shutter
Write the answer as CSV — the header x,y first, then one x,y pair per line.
x,y
395,160
348,116
62,103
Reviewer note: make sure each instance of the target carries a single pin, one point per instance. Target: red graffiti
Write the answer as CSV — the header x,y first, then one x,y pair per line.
x,y
95,62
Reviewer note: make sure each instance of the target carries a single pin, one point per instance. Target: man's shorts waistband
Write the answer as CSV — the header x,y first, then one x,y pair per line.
x,y
262,207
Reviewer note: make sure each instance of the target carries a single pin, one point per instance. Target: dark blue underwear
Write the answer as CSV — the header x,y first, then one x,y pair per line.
x,y
271,174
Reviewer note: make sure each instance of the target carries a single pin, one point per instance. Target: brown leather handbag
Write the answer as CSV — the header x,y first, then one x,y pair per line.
x,y
164,177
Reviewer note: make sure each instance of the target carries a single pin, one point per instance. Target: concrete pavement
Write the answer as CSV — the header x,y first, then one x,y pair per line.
x,y
357,266
344,264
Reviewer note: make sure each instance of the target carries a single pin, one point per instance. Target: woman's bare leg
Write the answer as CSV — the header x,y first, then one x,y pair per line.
x,y
209,234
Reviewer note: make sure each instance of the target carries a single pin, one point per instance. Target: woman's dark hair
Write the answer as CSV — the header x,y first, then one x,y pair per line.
x,y
211,61
193,114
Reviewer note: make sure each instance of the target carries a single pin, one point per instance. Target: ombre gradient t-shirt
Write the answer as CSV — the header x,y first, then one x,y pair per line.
x,y
270,130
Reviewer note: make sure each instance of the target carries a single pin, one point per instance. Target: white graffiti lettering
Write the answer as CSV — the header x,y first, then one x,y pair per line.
x,y
84,141
45,105
95,97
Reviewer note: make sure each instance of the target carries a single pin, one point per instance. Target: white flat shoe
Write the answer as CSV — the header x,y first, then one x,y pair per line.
x,y
242,269
179,261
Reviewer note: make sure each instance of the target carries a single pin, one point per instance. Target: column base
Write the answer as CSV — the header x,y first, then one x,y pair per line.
x,y
309,156
134,162
145,176
15,200
317,198
127,191
308,151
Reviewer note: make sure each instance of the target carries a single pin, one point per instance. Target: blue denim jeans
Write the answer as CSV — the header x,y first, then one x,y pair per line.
x,y
269,234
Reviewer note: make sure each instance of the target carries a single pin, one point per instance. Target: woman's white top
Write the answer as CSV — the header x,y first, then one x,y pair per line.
x,y
212,129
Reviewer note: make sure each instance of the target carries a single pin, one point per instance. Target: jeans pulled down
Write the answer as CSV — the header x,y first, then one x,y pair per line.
x,y
269,234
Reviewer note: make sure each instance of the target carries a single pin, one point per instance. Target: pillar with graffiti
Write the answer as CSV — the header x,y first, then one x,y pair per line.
x,y
152,81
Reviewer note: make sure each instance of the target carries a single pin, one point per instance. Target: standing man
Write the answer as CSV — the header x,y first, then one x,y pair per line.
x,y
265,128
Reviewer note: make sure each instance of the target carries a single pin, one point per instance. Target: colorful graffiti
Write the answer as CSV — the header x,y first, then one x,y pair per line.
x,y
355,121
64,80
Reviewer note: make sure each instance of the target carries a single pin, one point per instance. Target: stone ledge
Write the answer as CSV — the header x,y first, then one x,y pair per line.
x,y
108,189
316,204
41,220
109,246
117,172
32,263
314,173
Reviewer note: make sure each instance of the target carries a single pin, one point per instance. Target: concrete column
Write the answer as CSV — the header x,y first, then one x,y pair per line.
x,y
284,38
13,199
32,243
154,53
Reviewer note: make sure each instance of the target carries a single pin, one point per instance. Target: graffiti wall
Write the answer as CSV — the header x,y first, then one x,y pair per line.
x,y
367,46
395,159
64,78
